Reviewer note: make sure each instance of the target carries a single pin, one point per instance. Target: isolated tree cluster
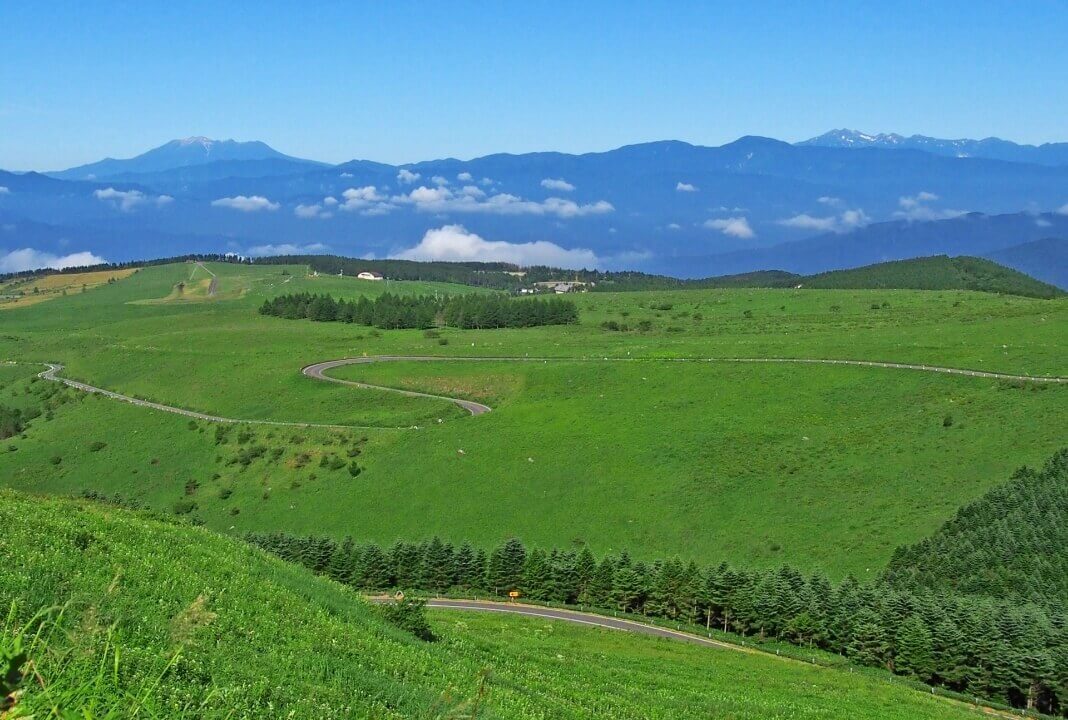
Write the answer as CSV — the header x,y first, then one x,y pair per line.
x,y
388,311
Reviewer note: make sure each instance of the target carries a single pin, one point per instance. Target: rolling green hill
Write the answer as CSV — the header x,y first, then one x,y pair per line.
x,y
163,620
615,443
935,273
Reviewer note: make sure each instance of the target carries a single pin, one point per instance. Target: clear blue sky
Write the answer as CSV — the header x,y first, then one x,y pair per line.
x,y
400,81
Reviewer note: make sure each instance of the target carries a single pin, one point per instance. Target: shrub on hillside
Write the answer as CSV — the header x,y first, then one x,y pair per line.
x,y
409,614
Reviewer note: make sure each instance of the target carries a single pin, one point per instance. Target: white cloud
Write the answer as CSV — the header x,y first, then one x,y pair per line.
x,y
4,190
127,200
251,203
1042,222
854,218
674,226
368,193
439,180
473,191
485,182
456,243
685,187
346,174
470,200
1063,209
558,184
808,222
329,201
734,226
366,201
309,212
917,207
465,177
846,221
30,259
286,249
424,195
828,200
407,177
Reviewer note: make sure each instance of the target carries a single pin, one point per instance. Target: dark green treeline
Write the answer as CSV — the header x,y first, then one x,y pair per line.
x,y
388,311
960,630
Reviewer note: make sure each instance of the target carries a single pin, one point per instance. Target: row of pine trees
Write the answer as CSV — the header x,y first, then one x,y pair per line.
x,y
389,311
997,649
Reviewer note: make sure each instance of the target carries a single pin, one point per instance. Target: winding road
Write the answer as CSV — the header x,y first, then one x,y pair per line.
x,y
318,371
53,368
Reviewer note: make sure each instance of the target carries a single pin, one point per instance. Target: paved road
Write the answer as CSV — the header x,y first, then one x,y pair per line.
x,y
573,616
583,618
53,368
318,370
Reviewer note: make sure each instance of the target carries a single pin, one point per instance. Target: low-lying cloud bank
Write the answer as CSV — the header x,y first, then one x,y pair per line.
x,y
456,243
252,203
843,222
287,249
30,259
127,200
470,199
558,184
919,207
733,226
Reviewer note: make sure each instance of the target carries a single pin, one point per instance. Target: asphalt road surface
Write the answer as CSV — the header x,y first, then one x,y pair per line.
x,y
53,368
317,371
573,616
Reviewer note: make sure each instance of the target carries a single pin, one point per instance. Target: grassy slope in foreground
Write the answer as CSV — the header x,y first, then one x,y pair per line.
x,y
258,637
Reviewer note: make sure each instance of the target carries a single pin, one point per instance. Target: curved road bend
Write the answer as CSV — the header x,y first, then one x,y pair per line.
x,y
53,368
318,369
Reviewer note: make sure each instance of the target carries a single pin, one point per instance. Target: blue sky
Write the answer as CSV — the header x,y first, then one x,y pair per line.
x,y
405,81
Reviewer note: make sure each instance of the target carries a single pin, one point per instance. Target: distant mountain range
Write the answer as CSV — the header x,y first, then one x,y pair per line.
x,y
991,148
184,153
756,203
1033,244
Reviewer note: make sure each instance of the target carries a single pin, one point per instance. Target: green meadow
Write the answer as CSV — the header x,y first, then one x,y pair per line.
x,y
158,619
610,444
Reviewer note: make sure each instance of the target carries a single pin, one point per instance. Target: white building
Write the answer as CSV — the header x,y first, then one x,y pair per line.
x,y
369,275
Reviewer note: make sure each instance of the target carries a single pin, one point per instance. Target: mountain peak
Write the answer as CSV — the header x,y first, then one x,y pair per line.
x,y
178,153
195,140
991,148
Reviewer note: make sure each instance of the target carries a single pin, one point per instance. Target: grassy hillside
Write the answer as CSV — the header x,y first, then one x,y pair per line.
x,y
756,464
936,273
168,620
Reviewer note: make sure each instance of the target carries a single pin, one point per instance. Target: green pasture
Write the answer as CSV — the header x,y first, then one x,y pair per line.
x,y
164,620
610,444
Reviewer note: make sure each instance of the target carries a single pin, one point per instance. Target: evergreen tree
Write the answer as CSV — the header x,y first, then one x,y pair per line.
x,y
627,588
915,649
